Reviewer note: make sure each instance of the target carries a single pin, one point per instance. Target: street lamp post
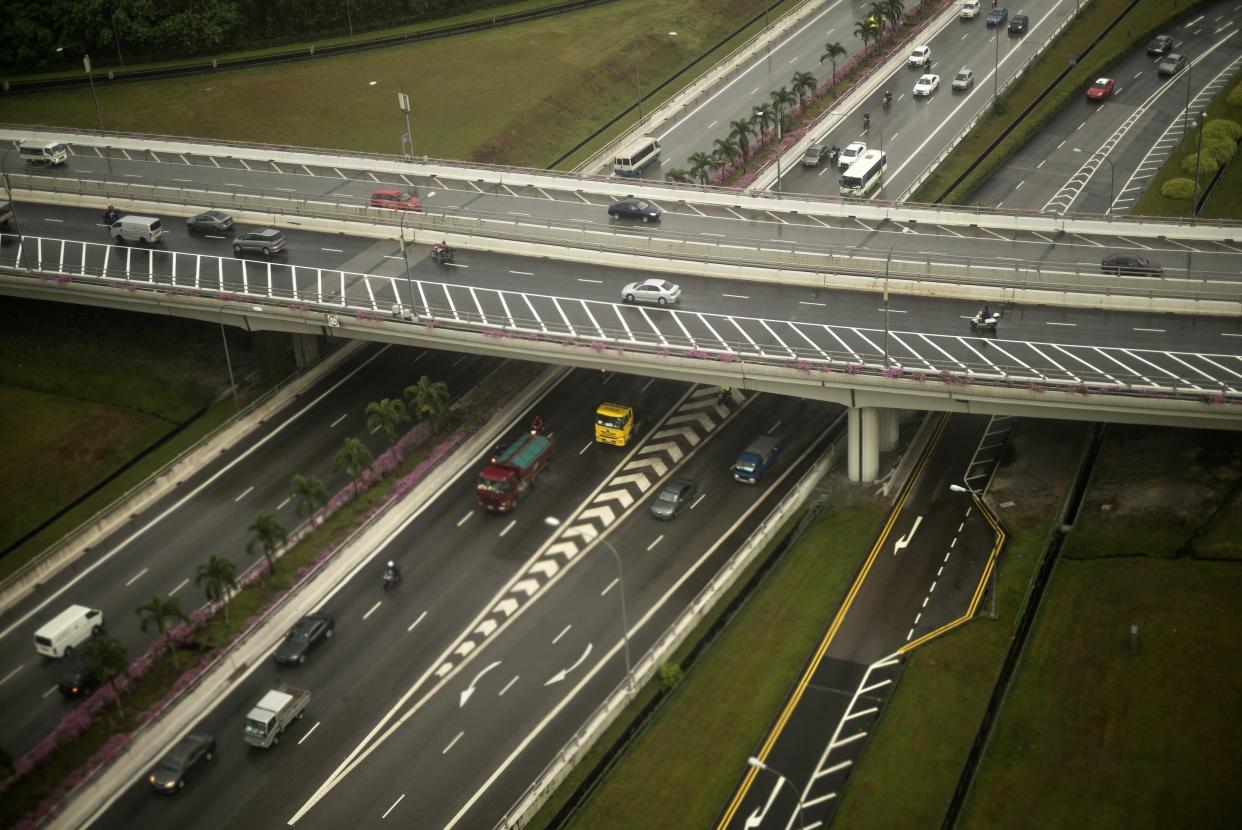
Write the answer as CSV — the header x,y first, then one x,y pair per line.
x,y
405,256
1194,193
781,779
1112,179
977,497
888,261
17,226
403,103
552,521
90,75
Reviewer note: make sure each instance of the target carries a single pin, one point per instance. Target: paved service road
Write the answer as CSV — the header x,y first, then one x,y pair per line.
x,y
927,573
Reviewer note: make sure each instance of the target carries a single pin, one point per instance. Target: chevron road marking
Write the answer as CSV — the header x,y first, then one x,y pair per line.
x,y
565,548
603,512
526,586
547,567
641,480
506,606
656,464
485,628
670,447
585,531
622,496
701,418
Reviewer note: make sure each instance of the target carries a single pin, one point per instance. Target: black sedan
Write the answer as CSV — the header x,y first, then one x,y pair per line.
x,y
169,774
1160,45
212,221
673,498
309,632
634,209
1019,24
78,676
1131,265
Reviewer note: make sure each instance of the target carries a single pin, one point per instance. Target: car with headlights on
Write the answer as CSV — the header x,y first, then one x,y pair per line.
x,y
213,221
170,773
673,498
634,209
1019,24
926,85
306,633
657,291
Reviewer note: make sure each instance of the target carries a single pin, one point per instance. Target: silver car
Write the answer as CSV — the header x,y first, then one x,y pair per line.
x,y
660,292
964,79
267,241
673,498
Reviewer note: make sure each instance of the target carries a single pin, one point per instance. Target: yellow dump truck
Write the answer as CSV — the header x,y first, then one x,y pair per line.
x,y
618,424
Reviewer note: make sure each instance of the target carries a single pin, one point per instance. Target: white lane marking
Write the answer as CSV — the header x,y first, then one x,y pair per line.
x,y
10,674
136,577
1156,331
608,588
400,798
308,733
46,219
48,692
332,250
808,302
416,622
699,499
452,743
284,503
588,446
371,610
464,518
184,583
558,637
523,273
508,527
736,296
596,282
657,541
244,493
1067,325
507,685
338,420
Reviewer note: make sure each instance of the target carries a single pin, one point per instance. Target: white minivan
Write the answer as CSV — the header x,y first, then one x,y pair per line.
x,y
144,229
68,629
43,152
969,9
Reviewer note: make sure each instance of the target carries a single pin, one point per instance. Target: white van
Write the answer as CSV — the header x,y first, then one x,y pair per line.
x,y
44,152
969,9
144,229
71,627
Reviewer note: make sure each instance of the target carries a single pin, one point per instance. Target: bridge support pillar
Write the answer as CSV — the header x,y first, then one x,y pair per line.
x,y
306,350
890,429
864,443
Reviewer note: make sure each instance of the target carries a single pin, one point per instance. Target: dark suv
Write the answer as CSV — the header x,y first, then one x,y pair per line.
x,y
1130,265
1018,25
267,242
1160,45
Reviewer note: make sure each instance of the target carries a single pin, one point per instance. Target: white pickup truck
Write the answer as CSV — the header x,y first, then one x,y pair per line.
x,y
278,708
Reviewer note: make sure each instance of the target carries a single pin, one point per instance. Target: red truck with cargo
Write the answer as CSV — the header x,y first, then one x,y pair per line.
x,y
509,475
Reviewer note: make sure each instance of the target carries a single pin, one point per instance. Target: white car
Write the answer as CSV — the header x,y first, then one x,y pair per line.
x,y
660,292
970,9
850,154
927,85
919,57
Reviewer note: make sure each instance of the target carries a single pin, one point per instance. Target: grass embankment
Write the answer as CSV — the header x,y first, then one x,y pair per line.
x,y
910,769
562,78
1146,19
73,412
681,770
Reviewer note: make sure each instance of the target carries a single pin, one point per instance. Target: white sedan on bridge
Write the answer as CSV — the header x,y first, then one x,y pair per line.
x,y
926,85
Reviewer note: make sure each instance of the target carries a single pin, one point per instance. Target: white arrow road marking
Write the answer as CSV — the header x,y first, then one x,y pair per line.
x,y
563,673
526,586
656,464
567,549
485,628
506,606
634,478
585,531
547,567
465,648
904,541
474,684
705,421
622,496
704,392
670,447
688,434
756,818
603,512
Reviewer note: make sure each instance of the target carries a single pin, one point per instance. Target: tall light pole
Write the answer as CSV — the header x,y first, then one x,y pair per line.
x,y
406,256
1112,179
977,497
552,521
887,262
781,779
1194,194
403,104
638,81
90,75
8,192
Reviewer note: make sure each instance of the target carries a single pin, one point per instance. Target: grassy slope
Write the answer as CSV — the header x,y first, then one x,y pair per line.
x,y
724,706
539,88
909,771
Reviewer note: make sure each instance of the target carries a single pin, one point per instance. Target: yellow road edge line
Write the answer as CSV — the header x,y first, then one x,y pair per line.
x,y
813,665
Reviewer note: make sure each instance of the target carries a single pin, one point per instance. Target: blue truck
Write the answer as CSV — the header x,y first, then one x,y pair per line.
x,y
759,457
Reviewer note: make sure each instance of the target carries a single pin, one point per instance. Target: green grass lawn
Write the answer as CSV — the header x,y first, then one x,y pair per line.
x,y
75,410
682,769
1095,735
911,767
1154,489
519,94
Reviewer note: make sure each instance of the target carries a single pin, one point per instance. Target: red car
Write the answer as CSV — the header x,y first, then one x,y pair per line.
x,y
395,199
1101,89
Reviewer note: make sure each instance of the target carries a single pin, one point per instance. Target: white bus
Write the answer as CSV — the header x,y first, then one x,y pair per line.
x,y
637,157
865,174
44,152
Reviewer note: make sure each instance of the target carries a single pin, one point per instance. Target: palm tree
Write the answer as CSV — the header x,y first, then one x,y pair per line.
x,y
309,495
159,614
676,174
108,661
268,534
803,84
740,131
833,52
878,17
864,30
726,148
764,116
892,10
353,458
217,576
782,99
429,399
387,414
700,166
